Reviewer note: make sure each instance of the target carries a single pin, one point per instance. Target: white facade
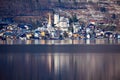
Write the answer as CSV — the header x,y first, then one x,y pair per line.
x,y
64,24
61,22
56,19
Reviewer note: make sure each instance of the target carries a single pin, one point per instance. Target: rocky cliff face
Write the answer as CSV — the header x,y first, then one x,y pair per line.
x,y
30,7
23,7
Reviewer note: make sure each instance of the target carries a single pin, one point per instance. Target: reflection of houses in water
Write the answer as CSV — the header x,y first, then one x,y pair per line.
x,y
49,62
63,66
73,1
88,65
85,66
61,62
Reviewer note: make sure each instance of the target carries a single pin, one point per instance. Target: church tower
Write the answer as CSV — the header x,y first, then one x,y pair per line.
x,y
49,20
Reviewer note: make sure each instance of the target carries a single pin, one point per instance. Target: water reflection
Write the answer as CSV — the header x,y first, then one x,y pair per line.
x,y
57,42
88,66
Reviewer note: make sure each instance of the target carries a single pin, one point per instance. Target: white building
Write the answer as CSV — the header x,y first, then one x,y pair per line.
x,y
64,24
61,22
93,0
56,19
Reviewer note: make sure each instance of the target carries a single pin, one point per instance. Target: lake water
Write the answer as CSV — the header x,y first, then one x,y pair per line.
x,y
59,66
